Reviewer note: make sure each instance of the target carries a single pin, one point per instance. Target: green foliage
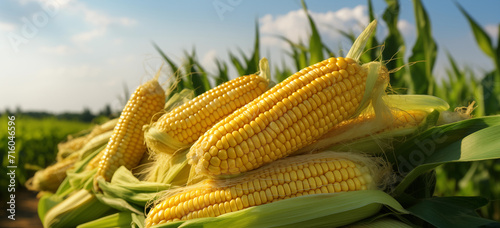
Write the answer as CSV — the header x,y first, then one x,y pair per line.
x,y
423,54
36,144
394,46
315,44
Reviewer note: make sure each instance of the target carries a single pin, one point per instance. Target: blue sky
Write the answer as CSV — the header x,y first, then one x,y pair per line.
x,y
64,55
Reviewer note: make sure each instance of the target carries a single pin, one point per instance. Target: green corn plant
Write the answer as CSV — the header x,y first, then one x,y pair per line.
x,y
248,64
424,53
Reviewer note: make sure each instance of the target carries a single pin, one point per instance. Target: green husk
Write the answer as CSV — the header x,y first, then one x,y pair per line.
x,y
320,210
360,43
79,208
416,102
94,143
161,142
124,185
120,219
371,135
168,169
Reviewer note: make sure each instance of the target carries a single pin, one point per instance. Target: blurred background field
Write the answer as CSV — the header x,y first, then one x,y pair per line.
x,y
38,133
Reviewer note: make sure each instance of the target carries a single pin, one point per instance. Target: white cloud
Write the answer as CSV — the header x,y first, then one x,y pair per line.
x,y
492,30
57,3
58,50
295,26
208,60
120,60
74,73
88,35
117,41
7,27
98,20
406,28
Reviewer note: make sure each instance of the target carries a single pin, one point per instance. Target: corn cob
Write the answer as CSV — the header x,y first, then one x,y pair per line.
x,y
399,119
183,125
376,127
326,172
94,162
285,118
126,146
64,149
50,178
366,125
75,144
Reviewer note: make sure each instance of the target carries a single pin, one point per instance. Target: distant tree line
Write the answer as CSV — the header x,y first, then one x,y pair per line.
x,y
85,116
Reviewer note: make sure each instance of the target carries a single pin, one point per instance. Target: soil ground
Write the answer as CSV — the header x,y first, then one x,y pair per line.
x,y
26,212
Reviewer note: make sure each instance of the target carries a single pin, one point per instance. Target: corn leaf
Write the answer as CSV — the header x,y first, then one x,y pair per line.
x,y
126,193
299,53
490,98
371,50
482,38
315,44
456,142
81,207
222,75
248,65
452,212
237,64
425,49
317,210
120,219
173,68
137,220
47,202
253,62
197,77
380,223
394,46
118,203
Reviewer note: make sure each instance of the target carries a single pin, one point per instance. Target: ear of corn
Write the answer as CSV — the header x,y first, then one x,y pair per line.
x,y
291,177
180,127
51,177
319,210
126,146
77,144
405,114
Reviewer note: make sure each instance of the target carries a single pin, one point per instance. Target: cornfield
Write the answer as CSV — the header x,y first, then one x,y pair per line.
x,y
364,139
